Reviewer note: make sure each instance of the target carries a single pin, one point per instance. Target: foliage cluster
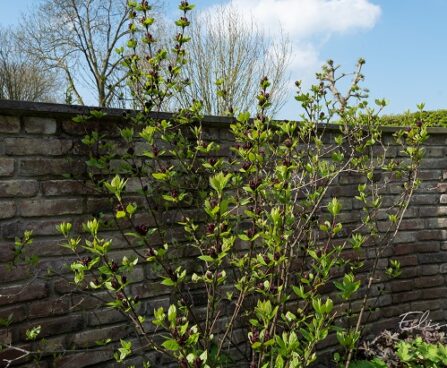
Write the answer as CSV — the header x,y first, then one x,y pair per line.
x,y
436,118
426,348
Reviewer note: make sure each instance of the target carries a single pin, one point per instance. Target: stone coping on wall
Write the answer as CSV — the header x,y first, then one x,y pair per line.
x,y
54,110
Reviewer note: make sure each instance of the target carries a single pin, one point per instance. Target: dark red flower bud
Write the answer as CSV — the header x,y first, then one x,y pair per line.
x,y
214,202
247,145
123,279
150,252
288,143
266,336
142,229
254,183
212,252
115,284
210,228
287,162
131,150
212,161
119,207
198,363
251,233
114,267
209,275
419,123
246,165
86,261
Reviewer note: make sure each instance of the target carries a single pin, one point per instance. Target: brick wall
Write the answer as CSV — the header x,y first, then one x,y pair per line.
x,y
40,157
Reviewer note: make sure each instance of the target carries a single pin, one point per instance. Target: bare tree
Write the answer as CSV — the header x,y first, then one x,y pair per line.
x,y
21,77
79,37
228,57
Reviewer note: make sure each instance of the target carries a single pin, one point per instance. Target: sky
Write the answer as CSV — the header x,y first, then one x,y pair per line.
x,y
403,42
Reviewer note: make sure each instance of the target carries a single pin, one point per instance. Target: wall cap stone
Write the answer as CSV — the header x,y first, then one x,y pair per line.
x,y
53,110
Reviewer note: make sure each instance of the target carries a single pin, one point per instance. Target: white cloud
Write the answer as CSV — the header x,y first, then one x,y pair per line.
x,y
308,23
306,18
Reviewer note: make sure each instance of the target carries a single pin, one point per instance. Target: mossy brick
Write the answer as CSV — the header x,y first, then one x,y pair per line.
x,y
18,188
38,125
50,207
34,146
9,124
6,166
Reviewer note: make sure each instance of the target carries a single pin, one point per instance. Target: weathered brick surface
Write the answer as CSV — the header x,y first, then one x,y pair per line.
x,y
50,207
37,125
7,209
61,167
9,124
6,166
41,163
18,188
31,147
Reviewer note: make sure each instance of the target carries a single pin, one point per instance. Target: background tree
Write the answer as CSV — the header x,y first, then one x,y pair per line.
x,y
228,56
79,38
22,77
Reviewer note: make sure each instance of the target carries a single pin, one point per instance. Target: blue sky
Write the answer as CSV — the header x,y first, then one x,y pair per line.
x,y
404,42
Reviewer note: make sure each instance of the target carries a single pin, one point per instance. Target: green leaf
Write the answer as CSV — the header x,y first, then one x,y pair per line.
x,y
171,345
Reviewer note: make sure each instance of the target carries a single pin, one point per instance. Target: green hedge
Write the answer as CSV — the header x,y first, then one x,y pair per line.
x,y
433,118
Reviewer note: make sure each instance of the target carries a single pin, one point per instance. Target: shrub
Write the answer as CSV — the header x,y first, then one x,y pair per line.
x,y
259,232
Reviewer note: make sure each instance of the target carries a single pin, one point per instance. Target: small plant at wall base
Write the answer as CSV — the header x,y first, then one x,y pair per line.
x,y
254,249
